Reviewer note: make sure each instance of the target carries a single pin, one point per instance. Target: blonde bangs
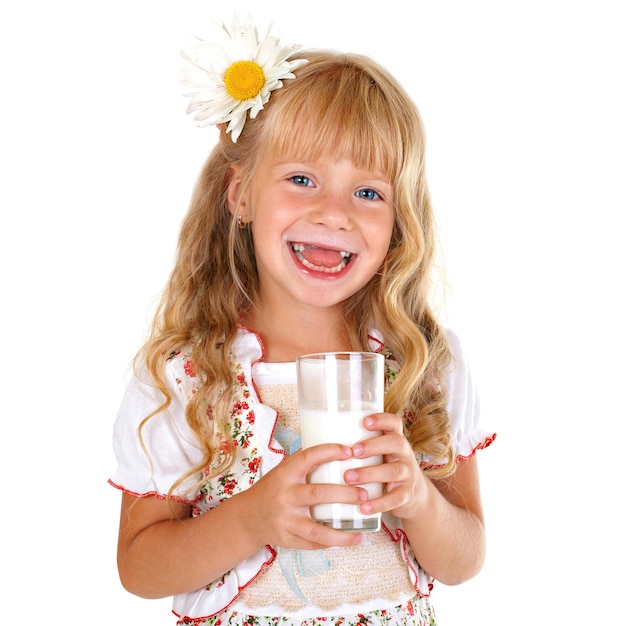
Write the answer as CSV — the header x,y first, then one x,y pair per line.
x,y
337,106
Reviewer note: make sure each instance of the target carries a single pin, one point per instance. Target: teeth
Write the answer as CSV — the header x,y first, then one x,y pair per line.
x,y
299,249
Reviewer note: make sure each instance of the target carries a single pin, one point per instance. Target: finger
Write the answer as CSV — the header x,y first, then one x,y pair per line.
x,y
384,473
316,536
385,422
311,457
325,493
387,502
300,464
390,445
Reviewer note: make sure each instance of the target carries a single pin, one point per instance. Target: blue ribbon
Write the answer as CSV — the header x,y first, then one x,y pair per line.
x,y
305,562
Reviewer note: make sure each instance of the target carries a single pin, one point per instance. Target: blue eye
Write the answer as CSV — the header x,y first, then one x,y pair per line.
x,y
368,194
299,179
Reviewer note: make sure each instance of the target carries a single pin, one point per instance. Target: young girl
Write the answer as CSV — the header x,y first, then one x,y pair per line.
x,y
310,230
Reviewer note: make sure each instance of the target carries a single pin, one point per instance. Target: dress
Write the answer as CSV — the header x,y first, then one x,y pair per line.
x,y
277,586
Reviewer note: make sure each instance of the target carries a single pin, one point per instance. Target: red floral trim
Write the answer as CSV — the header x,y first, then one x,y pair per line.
x,y
258,394
154,494
400,536
258,338
283,453
481,446
192,621
381,345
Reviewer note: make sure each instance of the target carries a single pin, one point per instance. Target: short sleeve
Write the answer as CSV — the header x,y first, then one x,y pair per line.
x,y
463,404
170,447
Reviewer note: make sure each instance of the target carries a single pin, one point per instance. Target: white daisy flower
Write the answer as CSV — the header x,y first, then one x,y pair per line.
x,y
238,76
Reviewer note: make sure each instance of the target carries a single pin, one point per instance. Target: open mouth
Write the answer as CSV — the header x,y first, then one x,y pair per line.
x,y
321,259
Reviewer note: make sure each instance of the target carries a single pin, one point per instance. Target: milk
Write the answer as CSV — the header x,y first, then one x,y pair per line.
x,y
344,427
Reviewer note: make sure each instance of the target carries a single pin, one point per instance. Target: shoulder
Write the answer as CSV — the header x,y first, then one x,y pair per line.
x,y
453,341
458,368
463,403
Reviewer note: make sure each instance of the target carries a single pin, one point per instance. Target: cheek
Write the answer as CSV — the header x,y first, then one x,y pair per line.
x,y
388,229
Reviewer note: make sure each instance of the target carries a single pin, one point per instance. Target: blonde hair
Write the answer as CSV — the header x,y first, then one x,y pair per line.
x,y
347,106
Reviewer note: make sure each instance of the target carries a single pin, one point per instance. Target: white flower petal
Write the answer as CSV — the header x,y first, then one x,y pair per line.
x,y
217,108
268,53
259,103
194,77
236,126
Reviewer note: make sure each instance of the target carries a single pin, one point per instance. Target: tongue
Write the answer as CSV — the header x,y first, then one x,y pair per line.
x,y
322,257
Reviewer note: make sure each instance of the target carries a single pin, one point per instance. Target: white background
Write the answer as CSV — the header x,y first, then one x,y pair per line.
x,y
524,109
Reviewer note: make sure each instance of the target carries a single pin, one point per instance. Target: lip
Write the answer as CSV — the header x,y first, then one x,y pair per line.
x,y
347,258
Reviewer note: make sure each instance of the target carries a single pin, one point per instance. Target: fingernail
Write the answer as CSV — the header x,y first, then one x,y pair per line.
x,y
357,450
350,476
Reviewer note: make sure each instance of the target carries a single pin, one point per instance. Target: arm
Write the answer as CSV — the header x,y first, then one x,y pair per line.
x,y
162,551
452,519
443,519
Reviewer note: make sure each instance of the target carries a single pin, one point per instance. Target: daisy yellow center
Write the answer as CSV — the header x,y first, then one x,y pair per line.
x,y
244,80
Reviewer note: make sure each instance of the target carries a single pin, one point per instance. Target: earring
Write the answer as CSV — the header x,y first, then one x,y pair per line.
x,y
241,224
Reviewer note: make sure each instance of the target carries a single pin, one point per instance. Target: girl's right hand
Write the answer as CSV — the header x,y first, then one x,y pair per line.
x,y
277,506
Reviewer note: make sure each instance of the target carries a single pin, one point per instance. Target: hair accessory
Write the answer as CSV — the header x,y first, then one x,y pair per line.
x,y
238,76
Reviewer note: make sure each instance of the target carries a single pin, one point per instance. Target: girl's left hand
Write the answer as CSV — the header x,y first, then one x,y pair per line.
x,y
406,489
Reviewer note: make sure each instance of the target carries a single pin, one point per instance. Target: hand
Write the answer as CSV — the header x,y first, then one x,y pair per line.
x,y
278,504
406,489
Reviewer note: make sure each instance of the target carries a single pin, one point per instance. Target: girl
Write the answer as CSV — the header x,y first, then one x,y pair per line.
x,y
310,230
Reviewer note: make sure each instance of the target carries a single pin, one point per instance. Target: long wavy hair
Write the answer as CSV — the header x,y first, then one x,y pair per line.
x,y
347,106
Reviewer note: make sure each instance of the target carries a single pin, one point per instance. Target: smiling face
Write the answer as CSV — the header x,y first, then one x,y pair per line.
x,y
316,154
321,229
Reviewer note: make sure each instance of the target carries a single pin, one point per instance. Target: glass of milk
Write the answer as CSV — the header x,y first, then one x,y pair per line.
x,y
336,390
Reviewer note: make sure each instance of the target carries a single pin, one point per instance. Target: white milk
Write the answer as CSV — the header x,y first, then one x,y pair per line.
x,y
344,427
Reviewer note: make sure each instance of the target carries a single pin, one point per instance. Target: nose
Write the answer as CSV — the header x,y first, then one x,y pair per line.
x,y
333,211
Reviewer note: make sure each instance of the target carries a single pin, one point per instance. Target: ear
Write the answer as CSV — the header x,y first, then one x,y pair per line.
x,y
236,199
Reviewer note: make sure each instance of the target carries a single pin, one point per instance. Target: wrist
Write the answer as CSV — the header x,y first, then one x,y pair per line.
x,y
420,502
